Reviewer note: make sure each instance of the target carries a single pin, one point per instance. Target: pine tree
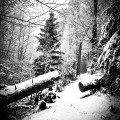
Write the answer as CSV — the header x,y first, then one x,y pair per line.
x,y
49,34
49,44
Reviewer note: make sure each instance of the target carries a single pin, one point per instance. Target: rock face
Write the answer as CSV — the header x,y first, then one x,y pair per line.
x,y
109,60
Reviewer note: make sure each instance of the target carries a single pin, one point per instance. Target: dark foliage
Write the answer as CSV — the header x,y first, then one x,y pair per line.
x,y
41,65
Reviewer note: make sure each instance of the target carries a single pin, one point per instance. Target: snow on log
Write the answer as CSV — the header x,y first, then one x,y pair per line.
x,y
88,85
85,94
85,86
93,82
9,94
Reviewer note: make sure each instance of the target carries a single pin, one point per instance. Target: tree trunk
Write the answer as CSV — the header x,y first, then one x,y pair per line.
x,y
12,93
94,29
79,60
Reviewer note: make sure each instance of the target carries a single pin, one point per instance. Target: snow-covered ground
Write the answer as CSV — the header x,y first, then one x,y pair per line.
x,y
72,107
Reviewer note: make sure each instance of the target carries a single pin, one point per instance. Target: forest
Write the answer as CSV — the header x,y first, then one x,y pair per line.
x,y
49,44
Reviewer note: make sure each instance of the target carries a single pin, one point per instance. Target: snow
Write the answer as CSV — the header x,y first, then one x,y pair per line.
x,y
26,84
107,49
111,49
71,107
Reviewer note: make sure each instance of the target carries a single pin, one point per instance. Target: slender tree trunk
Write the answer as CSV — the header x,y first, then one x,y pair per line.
x,y
2,33
10,41
79,60
94,29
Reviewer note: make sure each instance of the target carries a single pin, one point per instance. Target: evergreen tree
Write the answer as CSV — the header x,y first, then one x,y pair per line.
x,y
49,34
49,44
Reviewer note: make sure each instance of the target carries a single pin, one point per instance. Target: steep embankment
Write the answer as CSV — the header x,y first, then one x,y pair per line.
x,y
72,107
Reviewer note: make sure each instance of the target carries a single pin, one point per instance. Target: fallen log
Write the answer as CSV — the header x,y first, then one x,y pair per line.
x,y
83,86
12,93
86,85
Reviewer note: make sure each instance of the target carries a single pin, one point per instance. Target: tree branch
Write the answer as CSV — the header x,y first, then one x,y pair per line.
x,y
20,19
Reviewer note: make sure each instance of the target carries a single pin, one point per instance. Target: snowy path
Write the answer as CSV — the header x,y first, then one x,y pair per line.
x,y
72,107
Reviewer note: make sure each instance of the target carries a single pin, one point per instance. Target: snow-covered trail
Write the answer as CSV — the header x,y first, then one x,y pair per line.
x,y
71,107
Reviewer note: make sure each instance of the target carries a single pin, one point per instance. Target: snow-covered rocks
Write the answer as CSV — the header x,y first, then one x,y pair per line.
x,y
111,53
41,105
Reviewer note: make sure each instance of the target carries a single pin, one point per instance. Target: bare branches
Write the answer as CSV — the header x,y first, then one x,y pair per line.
x,y
20,19
51,8
83,26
